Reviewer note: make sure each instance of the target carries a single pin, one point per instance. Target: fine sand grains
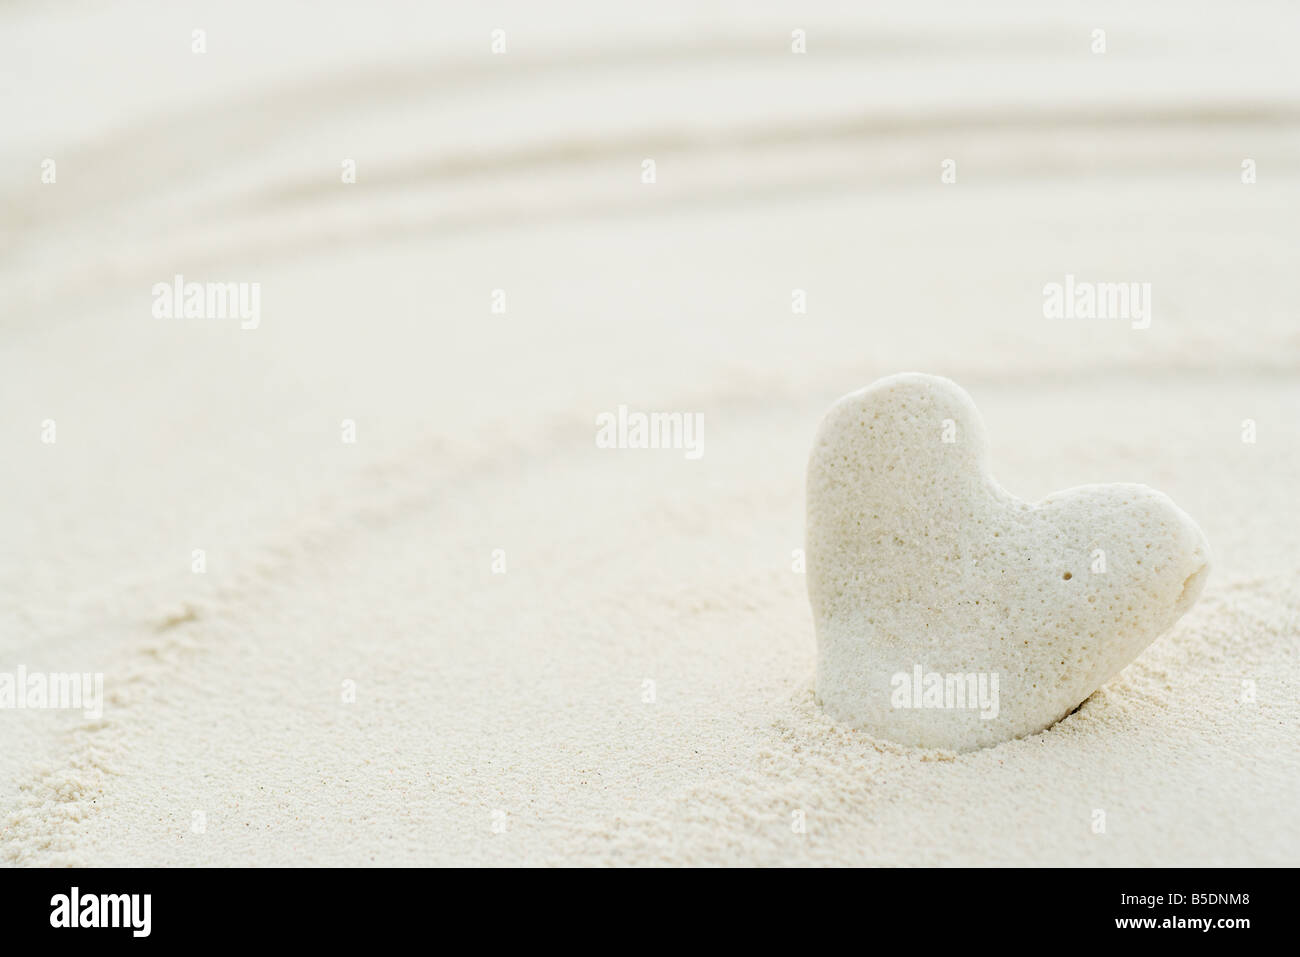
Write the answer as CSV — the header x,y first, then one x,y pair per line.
x,y
520,701
474,636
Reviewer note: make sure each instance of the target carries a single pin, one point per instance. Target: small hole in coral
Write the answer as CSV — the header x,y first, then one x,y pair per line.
x,y
1067,576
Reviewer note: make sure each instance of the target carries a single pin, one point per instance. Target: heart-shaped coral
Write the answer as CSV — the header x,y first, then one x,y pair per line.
x,y
951,614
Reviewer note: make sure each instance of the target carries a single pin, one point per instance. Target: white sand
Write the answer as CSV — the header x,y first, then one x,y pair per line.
x,y
522,693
